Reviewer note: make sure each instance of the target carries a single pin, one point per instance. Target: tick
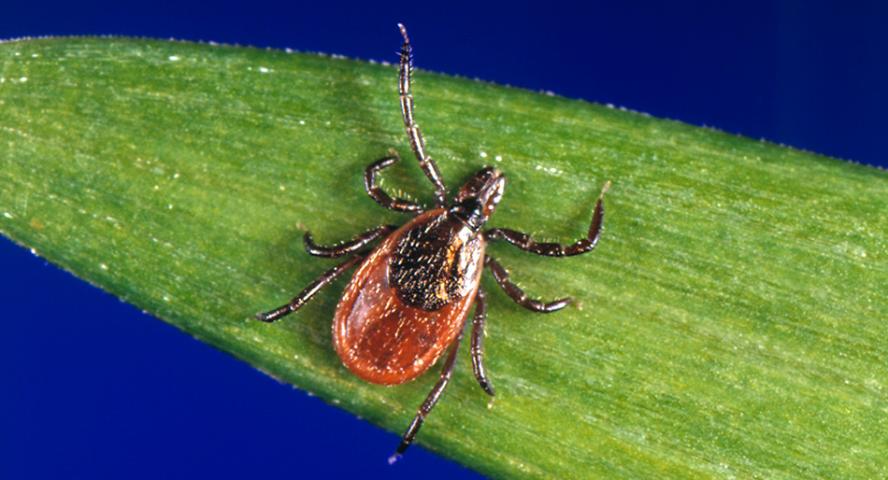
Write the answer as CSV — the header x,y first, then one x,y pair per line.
x,y
409,299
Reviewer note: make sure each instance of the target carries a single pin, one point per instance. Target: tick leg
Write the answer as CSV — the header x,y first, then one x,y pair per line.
x,y
478,323
524,242
518,295
417,143
377,193
346,248
429,402
305,295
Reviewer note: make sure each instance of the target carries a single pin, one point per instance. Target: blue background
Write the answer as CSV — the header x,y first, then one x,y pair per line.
x,y
99,390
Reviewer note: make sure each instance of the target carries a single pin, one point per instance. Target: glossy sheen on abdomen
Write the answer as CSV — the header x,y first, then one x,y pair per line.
x,y
382,338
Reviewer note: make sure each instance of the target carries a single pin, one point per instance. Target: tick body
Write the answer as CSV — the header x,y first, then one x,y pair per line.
x,y
411,296
409,299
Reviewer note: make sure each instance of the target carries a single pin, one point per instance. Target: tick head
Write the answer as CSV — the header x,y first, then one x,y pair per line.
x,y
477,199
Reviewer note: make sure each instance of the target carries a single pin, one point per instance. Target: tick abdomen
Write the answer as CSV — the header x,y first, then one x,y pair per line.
x,y
409,299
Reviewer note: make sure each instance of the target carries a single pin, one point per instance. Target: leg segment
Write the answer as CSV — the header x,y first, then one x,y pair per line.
x,y
417,143
518,295
478,342
305,295
377,193
346,248
429,402
524,242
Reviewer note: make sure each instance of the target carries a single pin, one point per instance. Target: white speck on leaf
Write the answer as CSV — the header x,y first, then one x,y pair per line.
x,y
498,158
264,70
549,170
483,154
103,266
173,58
8,215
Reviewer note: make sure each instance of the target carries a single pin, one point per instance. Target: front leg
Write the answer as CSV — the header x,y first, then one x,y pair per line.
x,y
526,243
518,295
417,142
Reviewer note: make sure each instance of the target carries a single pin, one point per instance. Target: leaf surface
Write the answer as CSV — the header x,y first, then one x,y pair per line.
x,y
732,322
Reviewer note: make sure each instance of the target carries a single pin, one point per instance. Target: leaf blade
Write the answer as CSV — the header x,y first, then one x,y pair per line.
x,y
729,317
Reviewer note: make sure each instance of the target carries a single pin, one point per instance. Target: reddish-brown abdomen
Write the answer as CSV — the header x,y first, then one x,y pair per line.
x,y
377,334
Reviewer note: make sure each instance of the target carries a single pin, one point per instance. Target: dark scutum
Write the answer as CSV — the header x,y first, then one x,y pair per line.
x,y
424,268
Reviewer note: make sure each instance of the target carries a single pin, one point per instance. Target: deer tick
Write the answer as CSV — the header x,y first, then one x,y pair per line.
x,y
409,299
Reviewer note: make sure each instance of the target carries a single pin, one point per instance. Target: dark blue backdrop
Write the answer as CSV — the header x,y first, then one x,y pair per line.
x,y
102,391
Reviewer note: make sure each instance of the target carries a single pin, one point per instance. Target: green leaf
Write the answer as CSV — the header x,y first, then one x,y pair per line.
x,y
732,322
